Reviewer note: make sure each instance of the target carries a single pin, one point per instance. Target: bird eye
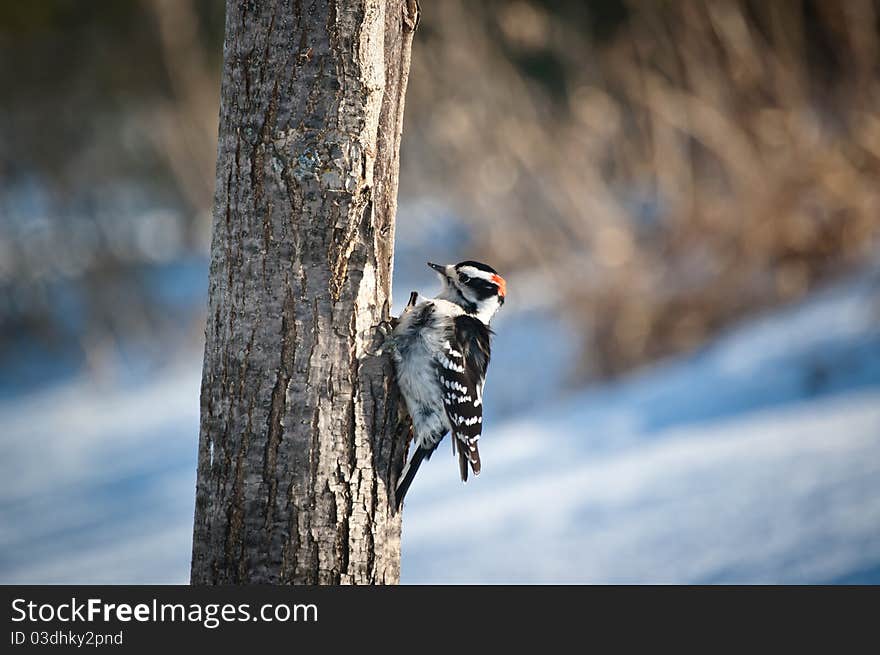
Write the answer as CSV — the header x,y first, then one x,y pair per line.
x,y
464,278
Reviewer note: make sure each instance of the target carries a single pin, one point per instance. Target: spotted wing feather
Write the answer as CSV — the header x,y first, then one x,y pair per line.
x,y
461,365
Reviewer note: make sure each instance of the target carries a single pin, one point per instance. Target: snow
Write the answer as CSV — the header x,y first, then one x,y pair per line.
x,y
789,495
98,483
755,460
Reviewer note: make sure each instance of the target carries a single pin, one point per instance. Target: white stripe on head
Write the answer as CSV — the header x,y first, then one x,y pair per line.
x,y
473,271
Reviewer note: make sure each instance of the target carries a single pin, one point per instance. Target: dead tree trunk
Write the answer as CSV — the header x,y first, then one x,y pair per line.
x,y
297,441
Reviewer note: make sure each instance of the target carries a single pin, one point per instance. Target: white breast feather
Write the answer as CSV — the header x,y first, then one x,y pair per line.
x,y
416,372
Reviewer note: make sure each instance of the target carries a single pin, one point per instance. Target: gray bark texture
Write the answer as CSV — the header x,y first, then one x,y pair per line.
x,y
301,436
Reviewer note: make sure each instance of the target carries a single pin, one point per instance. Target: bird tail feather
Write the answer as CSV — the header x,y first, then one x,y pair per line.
x,y
409,473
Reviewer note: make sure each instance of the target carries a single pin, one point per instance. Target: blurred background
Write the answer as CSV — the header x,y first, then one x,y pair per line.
x,y
683,197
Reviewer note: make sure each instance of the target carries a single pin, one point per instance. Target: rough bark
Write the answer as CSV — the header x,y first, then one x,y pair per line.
x,y
299,436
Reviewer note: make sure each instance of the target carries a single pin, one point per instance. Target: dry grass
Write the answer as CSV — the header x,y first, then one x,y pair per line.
x,y
664,171
705,160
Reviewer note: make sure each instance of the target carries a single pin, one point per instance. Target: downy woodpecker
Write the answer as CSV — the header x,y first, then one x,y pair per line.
x,y
440,349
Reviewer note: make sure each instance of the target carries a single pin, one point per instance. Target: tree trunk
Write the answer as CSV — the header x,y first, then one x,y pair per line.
x,y
300,436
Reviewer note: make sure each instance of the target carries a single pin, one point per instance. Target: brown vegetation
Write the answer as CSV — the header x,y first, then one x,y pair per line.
x,y
665,167
668,172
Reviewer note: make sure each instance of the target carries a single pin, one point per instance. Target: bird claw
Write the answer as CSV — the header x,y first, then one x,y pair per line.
x,y
381,337
386,328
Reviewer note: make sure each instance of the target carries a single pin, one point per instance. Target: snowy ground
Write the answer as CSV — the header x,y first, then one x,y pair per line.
x,y
755,460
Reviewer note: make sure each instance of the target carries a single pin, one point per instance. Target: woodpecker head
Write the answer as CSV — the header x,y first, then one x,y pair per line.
x,y
476,287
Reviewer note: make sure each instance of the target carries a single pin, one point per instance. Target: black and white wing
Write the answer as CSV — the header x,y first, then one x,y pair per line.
x,y
462,364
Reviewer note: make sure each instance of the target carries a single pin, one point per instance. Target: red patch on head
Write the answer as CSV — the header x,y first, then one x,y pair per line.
x,y
502,285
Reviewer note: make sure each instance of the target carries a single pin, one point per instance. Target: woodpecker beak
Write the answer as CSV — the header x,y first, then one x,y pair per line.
x,y
437,267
